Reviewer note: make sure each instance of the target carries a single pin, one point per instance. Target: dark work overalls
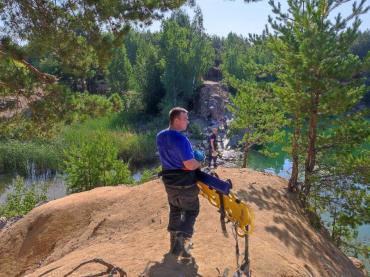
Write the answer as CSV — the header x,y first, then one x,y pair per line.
x,y
182,193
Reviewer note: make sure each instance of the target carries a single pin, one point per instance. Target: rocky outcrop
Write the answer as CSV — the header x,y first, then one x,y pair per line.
x,y
211,101
13,105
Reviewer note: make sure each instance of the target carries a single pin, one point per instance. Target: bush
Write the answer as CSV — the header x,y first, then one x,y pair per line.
x,y
116,101
95,164
21,200
94,105
195,131
133,101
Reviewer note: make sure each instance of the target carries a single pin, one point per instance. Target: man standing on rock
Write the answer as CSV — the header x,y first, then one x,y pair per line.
x,y
178,175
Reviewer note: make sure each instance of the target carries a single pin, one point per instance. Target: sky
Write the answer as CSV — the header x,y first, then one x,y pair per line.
x,y
224,16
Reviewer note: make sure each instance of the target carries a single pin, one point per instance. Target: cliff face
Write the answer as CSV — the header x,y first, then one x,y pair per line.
x,y
211,101
126,227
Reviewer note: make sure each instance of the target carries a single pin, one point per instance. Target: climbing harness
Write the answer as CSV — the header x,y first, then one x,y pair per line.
x,y
218,193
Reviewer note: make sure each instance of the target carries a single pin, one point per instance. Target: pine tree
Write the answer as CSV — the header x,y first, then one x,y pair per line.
x,y
148,72
318,71
120,72
258,114
71,29
186,55
320,82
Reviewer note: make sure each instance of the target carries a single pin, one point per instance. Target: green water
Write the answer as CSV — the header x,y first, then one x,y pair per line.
x,y
279,165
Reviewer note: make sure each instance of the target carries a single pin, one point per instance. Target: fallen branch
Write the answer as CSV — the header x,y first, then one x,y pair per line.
x,y
111,269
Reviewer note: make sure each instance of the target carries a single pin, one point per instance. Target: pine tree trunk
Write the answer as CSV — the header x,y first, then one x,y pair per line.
x,y
311,148
294,176
245,156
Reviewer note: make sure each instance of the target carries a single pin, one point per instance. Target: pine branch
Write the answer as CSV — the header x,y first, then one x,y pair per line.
x,y
41,76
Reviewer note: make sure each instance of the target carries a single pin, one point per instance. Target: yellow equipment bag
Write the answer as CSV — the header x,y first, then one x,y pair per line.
x,y
219,195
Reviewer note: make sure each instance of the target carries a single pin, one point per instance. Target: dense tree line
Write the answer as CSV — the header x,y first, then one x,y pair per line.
x,y
150,71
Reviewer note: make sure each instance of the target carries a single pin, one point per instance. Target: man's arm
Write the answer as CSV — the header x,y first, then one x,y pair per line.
x,y
192,164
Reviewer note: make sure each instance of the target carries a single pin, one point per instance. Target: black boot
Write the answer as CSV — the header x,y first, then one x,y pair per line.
x,y
187,246
178,247
176,243
184,244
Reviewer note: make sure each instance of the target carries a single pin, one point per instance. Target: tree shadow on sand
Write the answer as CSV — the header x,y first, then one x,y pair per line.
x,y
291,226
171,267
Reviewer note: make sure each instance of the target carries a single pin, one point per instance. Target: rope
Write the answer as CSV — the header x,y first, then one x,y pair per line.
x,y
244,268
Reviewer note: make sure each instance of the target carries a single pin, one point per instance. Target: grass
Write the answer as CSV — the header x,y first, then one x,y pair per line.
x,y
21,157
133,135
134,146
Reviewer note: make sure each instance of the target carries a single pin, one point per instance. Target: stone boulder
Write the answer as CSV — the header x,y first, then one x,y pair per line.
x,y
211,101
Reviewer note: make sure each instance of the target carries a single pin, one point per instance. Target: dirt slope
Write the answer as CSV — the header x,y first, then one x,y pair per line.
x,y
126,226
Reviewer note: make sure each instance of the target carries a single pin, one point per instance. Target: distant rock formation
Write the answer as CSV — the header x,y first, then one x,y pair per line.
x,y
13,105
211,101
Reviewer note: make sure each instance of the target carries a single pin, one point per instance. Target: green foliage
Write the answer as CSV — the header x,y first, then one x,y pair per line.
x,y
21,199
195,131
319,83
21,157
13,76
353,248
361,45
247,60
316,76
186,55
147,70
217,44
121,77
149,174
234,57
256,112
59,107
117,102
135,147
91,106
133,102
346,203
94,164
75,32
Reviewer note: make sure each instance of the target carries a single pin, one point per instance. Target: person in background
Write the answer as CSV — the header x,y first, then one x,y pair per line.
x,y
212,153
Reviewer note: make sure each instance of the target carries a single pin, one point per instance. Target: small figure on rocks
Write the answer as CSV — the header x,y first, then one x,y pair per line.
x,y
212,153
